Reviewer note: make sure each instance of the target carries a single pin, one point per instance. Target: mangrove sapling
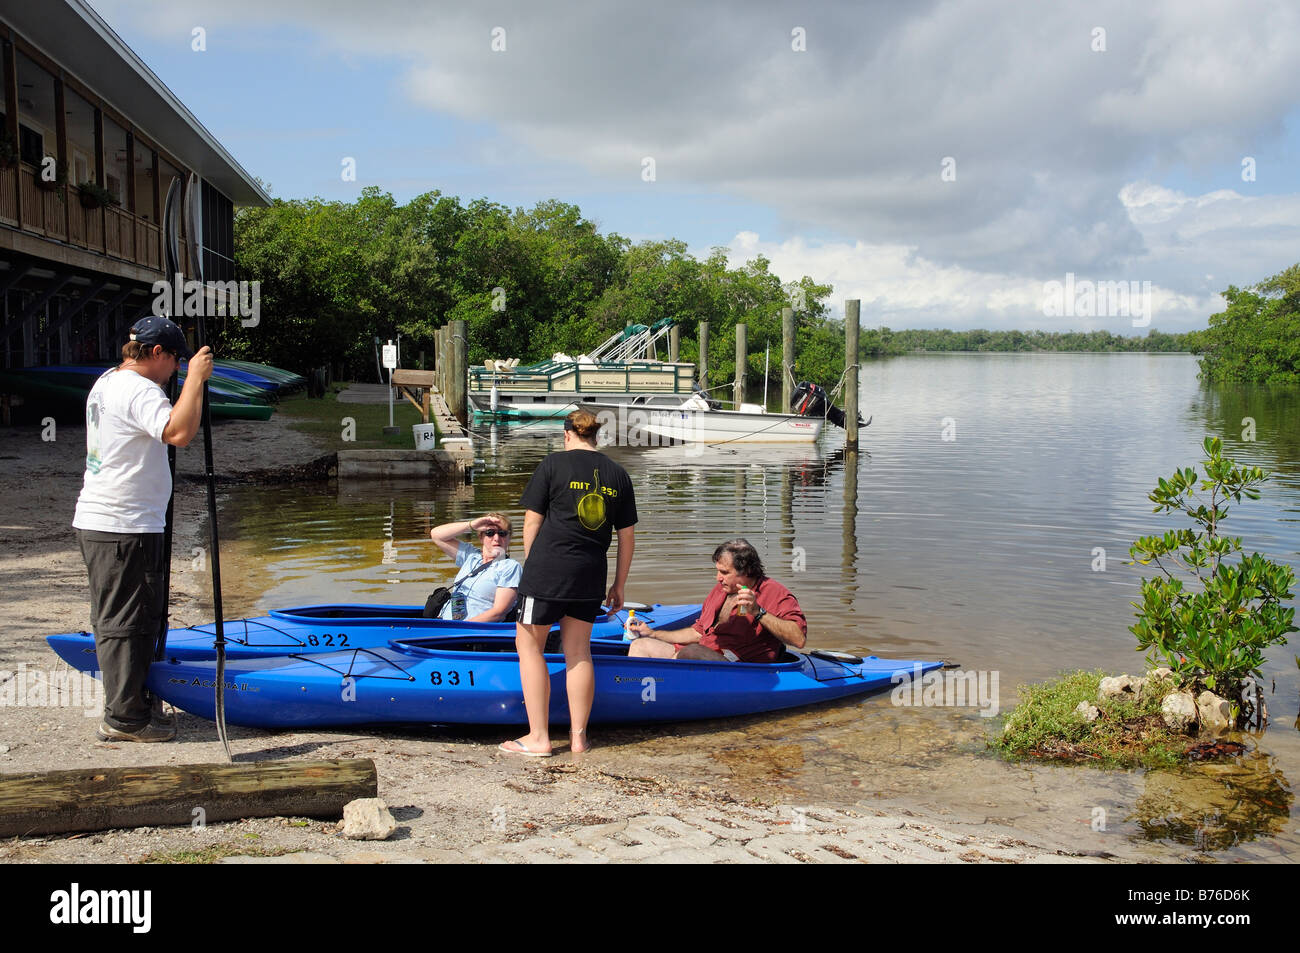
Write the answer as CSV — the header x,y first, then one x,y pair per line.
x,y
1214,633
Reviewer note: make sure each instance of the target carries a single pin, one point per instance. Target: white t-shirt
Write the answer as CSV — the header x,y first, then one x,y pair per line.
x,y
127,481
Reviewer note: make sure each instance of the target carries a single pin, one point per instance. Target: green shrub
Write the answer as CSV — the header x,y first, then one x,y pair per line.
x,y
1129,732
1215,632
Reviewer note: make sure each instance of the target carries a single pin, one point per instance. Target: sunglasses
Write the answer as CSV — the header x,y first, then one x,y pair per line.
x,y
495,532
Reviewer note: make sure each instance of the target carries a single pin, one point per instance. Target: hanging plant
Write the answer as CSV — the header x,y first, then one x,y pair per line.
x,y
95,196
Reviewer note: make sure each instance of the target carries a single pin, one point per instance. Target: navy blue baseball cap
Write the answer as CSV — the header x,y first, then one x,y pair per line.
x,y
156,330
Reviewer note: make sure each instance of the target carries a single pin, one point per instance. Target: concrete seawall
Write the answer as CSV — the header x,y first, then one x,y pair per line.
x,y
447,466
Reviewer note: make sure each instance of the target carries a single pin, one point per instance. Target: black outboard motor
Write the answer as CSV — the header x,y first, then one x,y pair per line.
x,y
697,389
811,400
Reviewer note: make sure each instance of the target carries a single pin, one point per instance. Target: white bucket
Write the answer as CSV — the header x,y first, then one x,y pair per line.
x,y
426,436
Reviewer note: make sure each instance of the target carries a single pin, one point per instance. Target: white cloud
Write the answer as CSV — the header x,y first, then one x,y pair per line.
x,y
1053,141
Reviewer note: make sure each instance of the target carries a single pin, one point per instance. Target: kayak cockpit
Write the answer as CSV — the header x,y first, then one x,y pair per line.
x,y
493,644
331,612
600,648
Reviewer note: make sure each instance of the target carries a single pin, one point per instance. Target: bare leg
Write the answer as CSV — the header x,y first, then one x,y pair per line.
x,y
580,678
529,641
648,647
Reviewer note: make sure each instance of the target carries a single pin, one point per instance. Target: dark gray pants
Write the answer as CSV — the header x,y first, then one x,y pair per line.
x,y
127,602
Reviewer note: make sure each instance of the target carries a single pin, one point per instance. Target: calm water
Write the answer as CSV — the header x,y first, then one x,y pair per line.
x,y
968,528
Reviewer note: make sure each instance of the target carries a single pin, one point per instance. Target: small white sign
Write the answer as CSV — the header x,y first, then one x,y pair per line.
x,y
390,356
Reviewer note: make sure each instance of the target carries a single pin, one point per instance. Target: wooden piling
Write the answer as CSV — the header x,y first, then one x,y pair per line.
x,y
742,362
459,345
852,313
704,355
437,359
443,360
787,358
674,343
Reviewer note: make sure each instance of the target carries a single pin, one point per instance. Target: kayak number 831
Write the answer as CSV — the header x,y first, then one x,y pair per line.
x,y
452,678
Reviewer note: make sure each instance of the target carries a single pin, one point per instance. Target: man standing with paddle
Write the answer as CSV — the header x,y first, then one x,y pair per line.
x,y
121,512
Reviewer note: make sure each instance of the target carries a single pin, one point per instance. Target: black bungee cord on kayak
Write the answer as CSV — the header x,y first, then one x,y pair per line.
x,y
248,642
349,674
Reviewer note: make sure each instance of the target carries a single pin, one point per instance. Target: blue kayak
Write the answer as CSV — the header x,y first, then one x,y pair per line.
x,y
475,680
225,369
324,628
223,389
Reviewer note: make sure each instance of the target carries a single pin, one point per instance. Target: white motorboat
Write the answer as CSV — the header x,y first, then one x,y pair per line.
x,y
694,421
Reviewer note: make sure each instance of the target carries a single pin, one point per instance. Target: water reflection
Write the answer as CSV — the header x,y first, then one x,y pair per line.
x,y
978,549
1258,423
1215,806
849,528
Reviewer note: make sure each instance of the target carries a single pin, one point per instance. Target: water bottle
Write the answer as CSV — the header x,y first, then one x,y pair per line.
x,y
743,610
458,608
628,634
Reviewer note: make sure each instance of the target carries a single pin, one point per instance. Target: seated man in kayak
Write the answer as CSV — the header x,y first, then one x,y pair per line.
x,y
748,617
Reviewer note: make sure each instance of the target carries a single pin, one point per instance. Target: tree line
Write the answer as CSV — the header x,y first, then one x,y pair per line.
x,y
881,342
527,283
530,282
1256,339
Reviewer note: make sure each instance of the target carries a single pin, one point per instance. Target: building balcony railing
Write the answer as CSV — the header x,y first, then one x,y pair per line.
x,y
59,213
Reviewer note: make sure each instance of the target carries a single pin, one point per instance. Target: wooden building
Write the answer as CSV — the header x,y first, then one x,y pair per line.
x,y
92,144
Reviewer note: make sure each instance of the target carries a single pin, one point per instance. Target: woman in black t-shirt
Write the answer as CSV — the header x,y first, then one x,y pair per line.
x,y
575,502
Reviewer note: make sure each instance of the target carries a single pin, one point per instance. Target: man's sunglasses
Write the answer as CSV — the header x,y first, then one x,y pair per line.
x,y
494,532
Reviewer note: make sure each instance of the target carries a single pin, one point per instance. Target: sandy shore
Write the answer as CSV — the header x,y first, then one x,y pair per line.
x,y
455,797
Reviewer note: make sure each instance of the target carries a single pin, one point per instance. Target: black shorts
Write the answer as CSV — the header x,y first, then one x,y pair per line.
x,y
534,611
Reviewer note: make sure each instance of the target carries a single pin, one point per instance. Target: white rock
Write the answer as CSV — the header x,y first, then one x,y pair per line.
x,y
1087,712
1179,711
1214,713
1121,686
368,818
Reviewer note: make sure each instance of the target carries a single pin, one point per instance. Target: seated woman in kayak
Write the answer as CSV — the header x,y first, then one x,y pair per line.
x,y
748,617
488,581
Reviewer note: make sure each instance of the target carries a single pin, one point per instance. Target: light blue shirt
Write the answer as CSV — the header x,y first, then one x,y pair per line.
x,y
481,591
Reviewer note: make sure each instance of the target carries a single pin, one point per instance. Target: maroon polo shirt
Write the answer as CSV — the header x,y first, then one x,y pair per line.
x,y
741,634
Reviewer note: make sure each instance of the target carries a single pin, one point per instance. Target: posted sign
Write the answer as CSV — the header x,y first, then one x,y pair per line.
x,y
390,356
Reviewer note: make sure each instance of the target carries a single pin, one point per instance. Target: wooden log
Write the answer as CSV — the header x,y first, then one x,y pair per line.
x,y
96,799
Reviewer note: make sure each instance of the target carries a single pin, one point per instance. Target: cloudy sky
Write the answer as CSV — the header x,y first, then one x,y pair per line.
x,y
941,161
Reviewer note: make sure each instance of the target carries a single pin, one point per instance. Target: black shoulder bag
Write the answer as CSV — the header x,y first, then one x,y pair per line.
x,y
433,605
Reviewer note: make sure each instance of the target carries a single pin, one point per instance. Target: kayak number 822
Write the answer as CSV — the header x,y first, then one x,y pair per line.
x,y
339,641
